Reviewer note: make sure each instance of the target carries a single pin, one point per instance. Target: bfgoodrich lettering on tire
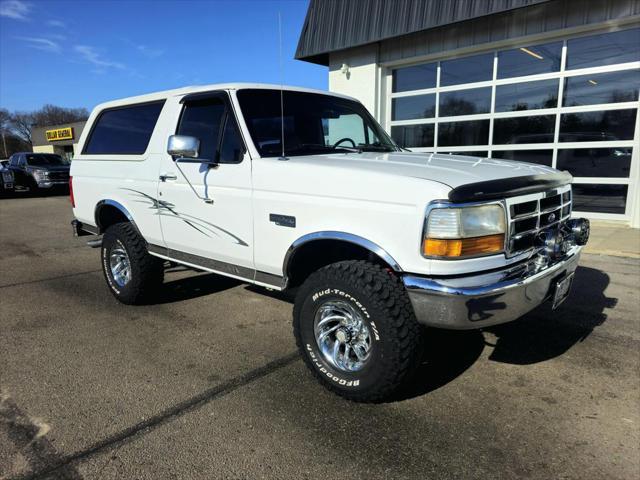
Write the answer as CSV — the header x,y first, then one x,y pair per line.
x,y
356,330
131,273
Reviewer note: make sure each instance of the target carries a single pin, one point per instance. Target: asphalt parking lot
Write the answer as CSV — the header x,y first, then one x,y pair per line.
x,y
206,383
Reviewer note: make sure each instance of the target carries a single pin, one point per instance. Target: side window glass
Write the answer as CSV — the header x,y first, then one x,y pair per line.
x,y
232,148
124,130
202,119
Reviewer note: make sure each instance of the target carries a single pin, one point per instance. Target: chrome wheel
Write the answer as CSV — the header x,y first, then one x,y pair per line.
x,y
120,265
342,335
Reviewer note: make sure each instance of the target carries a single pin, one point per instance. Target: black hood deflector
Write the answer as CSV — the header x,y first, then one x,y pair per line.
x,y
508,187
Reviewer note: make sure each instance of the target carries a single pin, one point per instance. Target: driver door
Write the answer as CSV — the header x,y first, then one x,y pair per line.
x,y
205,211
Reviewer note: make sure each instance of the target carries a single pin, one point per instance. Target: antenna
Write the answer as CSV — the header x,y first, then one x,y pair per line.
x,y
282,157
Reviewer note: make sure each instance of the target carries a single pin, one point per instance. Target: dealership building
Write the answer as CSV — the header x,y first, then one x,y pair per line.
x,y
553,82
58,139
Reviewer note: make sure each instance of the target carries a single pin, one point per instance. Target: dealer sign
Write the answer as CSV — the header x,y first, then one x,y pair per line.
x,y
59,134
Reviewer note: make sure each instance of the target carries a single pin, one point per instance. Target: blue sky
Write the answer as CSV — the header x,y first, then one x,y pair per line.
x,y
79,53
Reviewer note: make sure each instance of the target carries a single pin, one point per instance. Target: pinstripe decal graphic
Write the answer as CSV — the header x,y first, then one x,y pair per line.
x,y
168,209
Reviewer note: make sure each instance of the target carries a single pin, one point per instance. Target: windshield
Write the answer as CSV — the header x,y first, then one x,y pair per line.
x,y
313,123
45,159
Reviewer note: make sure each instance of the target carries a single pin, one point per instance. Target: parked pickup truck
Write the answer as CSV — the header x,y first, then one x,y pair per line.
x,y
39,171
300,189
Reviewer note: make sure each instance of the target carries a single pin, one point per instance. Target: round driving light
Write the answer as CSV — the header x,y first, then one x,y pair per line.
x,y
553,243
580,229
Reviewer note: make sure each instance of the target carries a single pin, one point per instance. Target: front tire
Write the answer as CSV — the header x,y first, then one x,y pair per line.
x,y
356,330
33,188
132,274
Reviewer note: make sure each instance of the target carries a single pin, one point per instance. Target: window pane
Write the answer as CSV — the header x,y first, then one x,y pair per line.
x,y
465,102
202,119
468,154
41,159
527,96
474,132
348,125
417,106
124,131
414,78
596,162
604,49
541,157
538,129
413,135
466,70
232,147
600,198
602,88
529,60
313,123
598,126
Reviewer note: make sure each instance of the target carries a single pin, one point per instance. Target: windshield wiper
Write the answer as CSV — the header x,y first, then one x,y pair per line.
x,y
331,147
376,147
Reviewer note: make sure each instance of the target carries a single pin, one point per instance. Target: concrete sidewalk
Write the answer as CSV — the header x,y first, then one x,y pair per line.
x,y
608,238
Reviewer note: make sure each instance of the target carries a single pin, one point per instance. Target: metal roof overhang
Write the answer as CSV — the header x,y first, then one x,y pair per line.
x,y
332,25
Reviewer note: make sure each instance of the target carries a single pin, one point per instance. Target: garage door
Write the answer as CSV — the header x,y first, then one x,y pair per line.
x,y
569,103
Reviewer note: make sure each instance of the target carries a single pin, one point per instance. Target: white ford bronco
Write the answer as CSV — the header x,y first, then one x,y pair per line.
x,y
300,189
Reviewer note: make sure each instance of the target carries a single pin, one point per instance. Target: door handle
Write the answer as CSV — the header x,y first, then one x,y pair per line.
x,y
168,176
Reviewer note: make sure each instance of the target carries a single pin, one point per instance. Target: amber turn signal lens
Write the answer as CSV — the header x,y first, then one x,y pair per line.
x,y
435,247
463,247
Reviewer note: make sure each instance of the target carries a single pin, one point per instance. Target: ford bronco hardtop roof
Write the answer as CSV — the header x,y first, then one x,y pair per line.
x,y
150,97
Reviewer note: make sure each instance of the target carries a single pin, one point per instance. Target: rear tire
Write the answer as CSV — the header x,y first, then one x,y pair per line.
x,y
365,309
132,275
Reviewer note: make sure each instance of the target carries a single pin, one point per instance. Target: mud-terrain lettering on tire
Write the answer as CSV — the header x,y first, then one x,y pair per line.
x,y
382,304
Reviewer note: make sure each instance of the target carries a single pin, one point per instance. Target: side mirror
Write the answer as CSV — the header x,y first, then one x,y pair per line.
x,y
183,146
184,149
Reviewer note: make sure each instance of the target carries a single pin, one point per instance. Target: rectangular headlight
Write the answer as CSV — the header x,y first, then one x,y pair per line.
x,y
40,175
464,231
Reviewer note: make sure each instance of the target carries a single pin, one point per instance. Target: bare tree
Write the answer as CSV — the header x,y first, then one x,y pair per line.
x,y
5,118
9,141
22,123
14,144
54,115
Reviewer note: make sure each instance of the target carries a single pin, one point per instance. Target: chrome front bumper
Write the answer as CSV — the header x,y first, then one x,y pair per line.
x,y
481,300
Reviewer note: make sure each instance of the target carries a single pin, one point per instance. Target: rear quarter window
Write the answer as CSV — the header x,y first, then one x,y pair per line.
x,y
123,130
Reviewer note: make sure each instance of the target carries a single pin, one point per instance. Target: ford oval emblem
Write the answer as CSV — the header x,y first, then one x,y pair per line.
x,y
551,217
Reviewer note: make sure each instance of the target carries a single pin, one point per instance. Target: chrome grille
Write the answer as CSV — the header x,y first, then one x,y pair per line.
x,y
527,217
58,175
